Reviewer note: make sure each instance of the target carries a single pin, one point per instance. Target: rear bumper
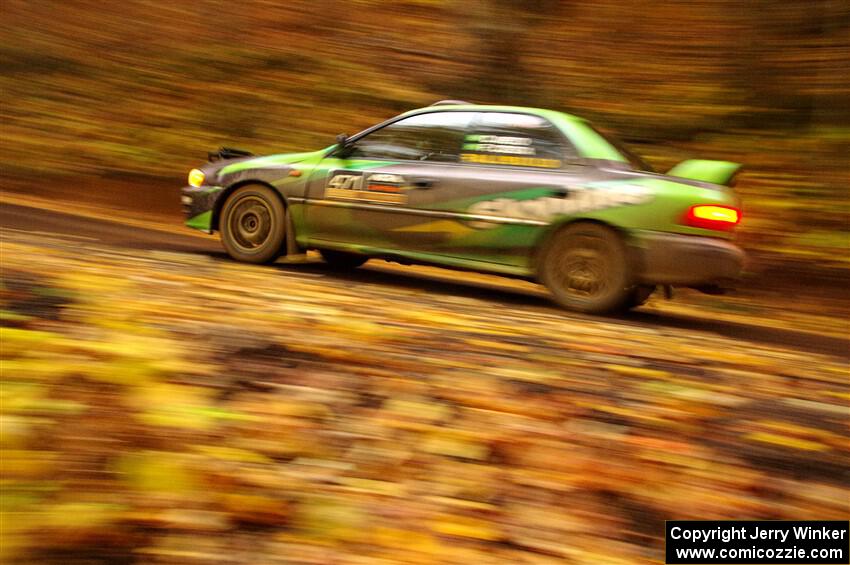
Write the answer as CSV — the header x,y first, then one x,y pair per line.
x,y
686,260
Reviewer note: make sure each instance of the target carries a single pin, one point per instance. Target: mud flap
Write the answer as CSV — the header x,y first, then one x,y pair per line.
x,y
291,245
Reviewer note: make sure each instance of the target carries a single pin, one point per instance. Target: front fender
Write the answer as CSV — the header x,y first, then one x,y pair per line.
x,y
549,231
221,196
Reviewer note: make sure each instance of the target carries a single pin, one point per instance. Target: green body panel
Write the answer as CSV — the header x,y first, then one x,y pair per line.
x,y
665,211
435,258
202,221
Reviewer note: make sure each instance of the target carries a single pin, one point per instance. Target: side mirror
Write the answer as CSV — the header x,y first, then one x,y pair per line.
x,y
343,146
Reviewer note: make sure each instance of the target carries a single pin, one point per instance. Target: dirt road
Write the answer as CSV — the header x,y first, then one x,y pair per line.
x,y
109,227
164,404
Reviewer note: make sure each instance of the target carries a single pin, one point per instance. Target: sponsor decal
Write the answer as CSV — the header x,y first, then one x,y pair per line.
x,y
499,144
383,182
346,181
547,208
378,187
386,178
515,160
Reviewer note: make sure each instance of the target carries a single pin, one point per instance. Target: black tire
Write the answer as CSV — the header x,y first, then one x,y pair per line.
x,y
638,295
585,267
253,224
342,259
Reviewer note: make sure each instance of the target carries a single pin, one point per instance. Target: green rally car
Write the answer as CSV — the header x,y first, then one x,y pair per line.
x,y
516,191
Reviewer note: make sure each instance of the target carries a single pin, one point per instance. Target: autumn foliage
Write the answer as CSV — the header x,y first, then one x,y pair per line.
x,y
175,408
148,87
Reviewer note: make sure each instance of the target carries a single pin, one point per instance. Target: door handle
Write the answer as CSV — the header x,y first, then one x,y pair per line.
x,y
423,182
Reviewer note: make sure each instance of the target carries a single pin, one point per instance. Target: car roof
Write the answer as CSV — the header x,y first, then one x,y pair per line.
x,y
578,130
440,107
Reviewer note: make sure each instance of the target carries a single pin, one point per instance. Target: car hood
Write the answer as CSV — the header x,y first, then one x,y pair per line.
x,y
270,161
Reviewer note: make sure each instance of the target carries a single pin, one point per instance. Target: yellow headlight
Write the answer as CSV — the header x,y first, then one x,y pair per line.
x,y
196,177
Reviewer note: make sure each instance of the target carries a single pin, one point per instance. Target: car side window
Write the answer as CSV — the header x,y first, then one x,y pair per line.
x,y
435,136
514,139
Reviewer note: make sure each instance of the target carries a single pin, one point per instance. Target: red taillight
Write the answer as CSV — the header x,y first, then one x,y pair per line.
x,y
713,217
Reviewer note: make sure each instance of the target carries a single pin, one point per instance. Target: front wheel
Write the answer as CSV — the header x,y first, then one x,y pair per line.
x,y
252,224
586,269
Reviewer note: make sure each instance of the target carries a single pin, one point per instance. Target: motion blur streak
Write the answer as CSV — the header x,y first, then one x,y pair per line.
x,y
160,404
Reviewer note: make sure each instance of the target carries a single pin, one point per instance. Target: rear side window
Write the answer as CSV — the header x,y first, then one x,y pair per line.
x,y
520,140
435,136
636,162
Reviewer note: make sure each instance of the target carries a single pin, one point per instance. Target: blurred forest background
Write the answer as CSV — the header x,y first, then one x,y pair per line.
x,y
147,87
172,408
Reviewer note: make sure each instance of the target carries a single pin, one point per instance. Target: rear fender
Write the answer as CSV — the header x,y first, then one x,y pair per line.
x,y
543,243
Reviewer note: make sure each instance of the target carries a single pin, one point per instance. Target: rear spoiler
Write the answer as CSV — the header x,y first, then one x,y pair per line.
x,y
717,172
224,153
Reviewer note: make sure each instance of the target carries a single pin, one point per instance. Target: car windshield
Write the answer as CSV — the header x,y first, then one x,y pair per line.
x,y
636,162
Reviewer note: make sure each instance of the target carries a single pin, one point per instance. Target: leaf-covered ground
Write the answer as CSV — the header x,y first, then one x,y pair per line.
x,y
175,408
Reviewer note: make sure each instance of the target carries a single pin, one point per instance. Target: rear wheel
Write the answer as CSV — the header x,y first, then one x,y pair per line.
x,y
342,259
586,269
252,224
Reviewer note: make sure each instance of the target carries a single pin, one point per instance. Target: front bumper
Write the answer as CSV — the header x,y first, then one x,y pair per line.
x,y
198,205
687,260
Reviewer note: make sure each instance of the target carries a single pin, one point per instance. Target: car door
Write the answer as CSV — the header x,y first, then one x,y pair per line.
x,y
469,186
516,170
366,195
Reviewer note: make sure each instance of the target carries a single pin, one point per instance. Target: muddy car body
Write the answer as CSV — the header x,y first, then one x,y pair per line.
x,y
510,190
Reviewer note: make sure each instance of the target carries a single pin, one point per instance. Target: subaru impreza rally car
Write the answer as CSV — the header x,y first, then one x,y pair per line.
x,y
517,191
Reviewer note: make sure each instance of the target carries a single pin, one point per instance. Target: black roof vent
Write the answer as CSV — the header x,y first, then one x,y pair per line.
x,y
449,102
